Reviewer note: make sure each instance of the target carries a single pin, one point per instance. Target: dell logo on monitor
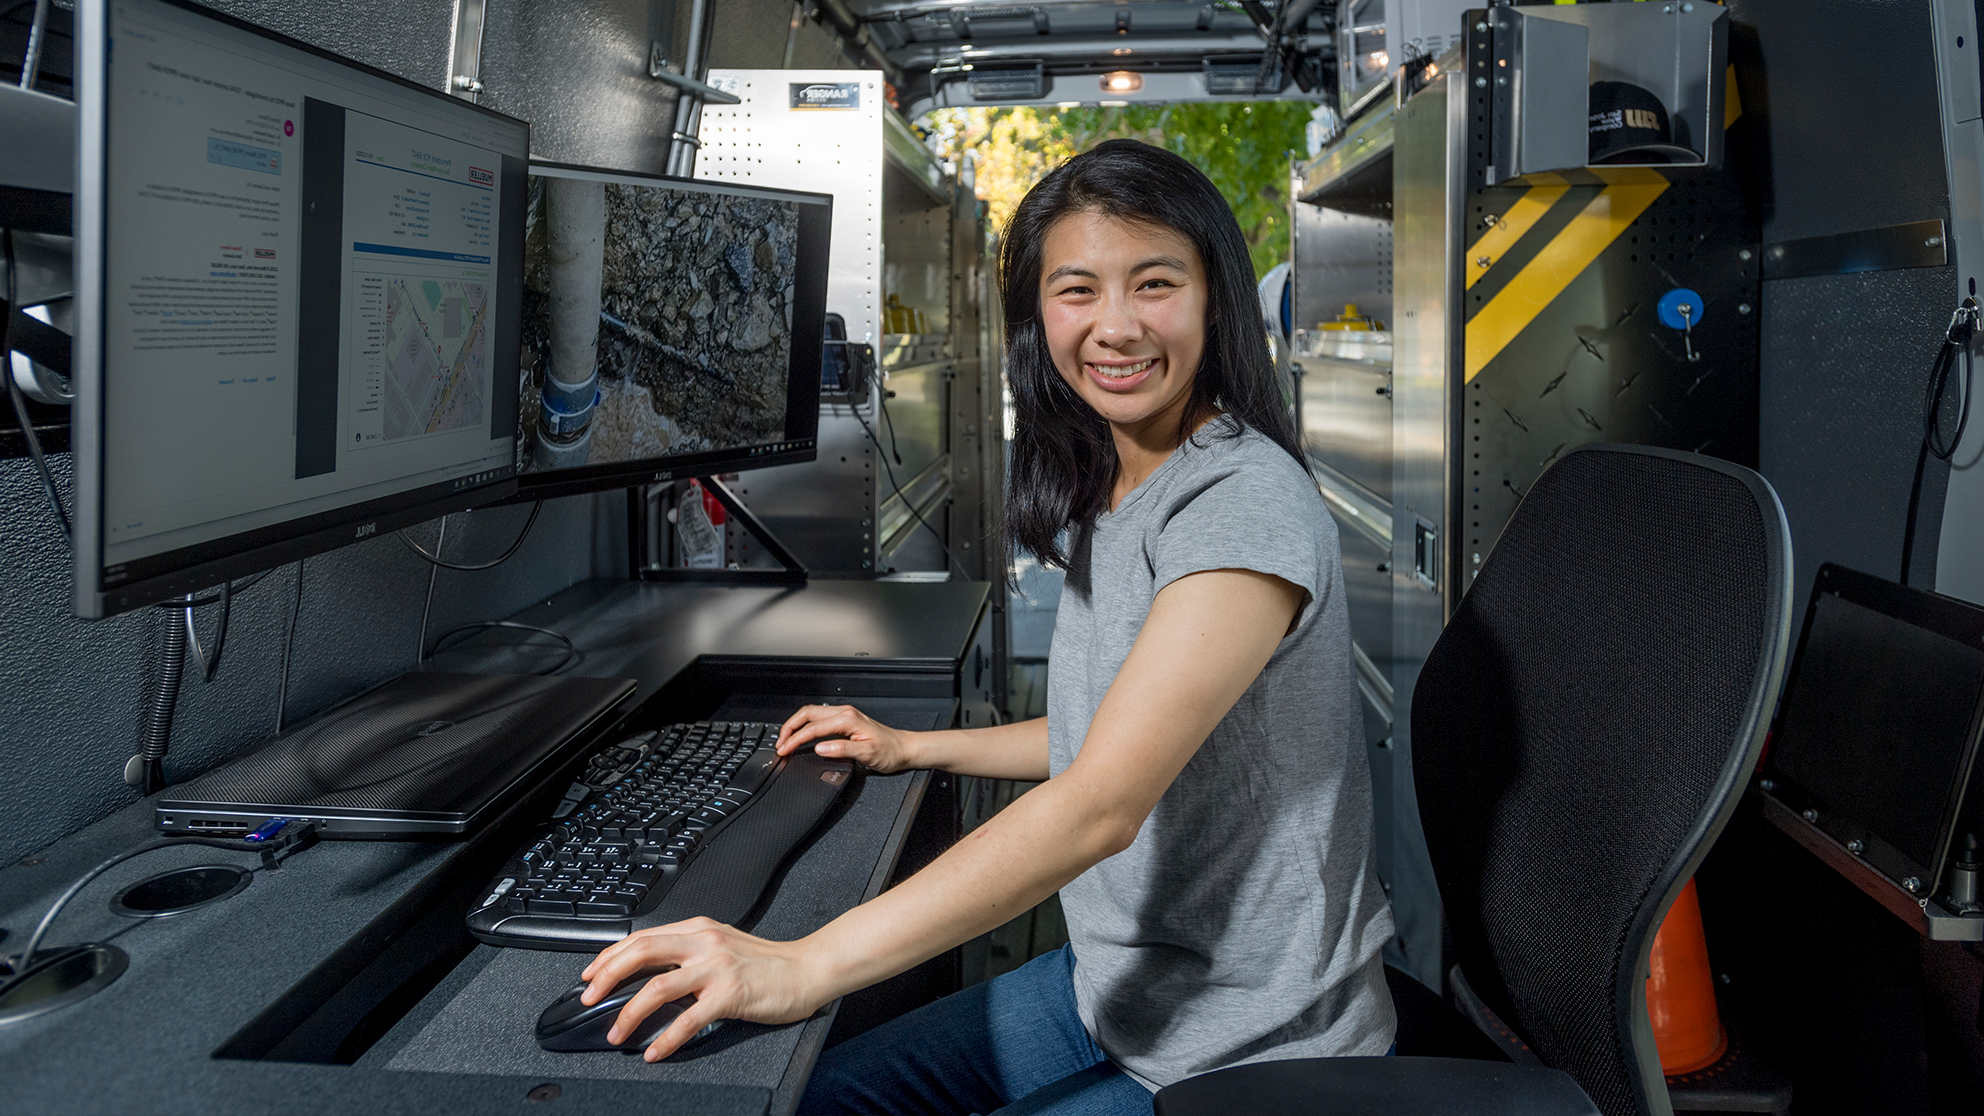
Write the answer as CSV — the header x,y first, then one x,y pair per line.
x,y
367,529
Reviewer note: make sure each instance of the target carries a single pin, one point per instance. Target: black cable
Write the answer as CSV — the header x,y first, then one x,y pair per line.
x,y
289,835
1956,342
214,596
208,665
435,558
165,701
571,649
870,431
288,641
888,420
427,607
28,436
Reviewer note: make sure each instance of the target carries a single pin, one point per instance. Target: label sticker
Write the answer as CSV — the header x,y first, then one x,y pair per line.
x,y
826,95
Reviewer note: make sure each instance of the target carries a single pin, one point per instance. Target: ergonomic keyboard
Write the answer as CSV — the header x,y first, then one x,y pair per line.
x,y
673,823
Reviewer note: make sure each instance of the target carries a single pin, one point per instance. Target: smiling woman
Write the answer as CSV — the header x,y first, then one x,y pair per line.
x,y
1179,290
1204,807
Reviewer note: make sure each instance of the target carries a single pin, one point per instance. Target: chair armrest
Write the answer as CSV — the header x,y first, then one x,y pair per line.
x,y
1379,1087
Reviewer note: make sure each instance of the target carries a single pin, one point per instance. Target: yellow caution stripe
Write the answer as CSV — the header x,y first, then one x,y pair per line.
x,y
1627,194
1503,234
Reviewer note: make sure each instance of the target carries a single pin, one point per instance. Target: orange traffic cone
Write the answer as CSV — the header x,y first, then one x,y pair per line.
x,y
1680,992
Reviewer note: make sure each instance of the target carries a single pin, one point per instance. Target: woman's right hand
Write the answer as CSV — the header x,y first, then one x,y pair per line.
x,y
844,732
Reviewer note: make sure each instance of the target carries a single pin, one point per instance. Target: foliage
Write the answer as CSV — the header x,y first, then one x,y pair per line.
x,y
1244,147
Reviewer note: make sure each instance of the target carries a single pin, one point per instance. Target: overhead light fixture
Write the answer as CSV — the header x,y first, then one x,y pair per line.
x,y
1230,76
1122,81
1015,81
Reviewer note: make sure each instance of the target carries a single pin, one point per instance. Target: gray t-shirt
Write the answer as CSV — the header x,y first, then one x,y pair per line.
x,y
1245,923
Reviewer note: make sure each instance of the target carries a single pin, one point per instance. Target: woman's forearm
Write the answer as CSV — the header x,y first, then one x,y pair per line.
x,y
1016,751
998,872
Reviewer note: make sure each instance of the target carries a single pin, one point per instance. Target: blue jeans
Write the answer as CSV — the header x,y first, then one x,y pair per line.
x,y
1013,1045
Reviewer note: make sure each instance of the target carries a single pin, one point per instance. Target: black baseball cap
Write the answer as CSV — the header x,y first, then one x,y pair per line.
x,y
1630,125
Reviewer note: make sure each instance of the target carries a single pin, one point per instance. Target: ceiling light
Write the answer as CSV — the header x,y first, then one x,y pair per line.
x,y
1122,81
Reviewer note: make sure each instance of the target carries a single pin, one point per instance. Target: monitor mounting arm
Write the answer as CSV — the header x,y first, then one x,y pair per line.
x,y
793,572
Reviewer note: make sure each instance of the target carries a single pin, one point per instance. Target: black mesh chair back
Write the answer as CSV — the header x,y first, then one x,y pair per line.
x,y
1582,731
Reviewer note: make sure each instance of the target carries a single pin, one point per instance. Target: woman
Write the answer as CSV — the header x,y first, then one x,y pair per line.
x,y
1204,807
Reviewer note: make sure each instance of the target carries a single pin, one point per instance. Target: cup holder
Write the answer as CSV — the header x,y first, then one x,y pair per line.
x,y
57,978
181,890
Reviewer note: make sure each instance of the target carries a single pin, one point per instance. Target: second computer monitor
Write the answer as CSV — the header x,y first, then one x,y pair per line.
x,y
671,329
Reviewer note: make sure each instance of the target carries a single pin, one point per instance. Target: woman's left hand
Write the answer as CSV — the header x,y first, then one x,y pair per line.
x,y
732,975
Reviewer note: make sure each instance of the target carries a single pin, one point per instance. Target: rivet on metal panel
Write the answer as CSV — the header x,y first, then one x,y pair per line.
x,y
1743,255
1481,82
1742,308
1810,815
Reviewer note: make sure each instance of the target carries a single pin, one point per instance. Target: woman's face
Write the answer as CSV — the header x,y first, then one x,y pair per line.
x,y
1124,306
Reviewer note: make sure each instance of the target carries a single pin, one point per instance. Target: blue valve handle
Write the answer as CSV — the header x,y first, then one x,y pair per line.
x,y
1669,309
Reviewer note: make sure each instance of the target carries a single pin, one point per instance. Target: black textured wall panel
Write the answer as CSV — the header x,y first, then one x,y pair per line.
x,y
72,691
1845,358
404,37
1846,90
579,73
1845,95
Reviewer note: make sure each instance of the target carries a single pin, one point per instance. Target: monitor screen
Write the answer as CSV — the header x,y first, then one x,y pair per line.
x,y
671,328
300,290
1879,716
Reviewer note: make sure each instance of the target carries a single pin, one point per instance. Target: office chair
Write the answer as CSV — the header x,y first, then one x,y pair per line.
x,y
1581,732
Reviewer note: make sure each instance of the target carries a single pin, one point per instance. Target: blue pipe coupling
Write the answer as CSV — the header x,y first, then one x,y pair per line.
x,y
568,407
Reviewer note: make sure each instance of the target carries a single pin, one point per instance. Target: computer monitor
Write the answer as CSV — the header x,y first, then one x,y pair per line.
x,y
1879,724
671,329
299,298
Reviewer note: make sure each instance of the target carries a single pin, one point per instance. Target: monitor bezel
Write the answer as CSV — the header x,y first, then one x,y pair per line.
x,y
187,569
802,368
1953,619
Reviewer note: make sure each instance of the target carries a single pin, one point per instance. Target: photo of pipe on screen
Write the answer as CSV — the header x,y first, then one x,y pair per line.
x,y
657,321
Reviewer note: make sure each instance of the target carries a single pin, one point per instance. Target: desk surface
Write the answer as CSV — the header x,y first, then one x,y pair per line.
x,y
145,1043
650,631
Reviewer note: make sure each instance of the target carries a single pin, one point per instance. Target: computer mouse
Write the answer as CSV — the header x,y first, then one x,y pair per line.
x,y
570,1026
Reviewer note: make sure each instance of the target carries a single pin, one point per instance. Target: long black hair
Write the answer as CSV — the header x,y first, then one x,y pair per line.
x,y
1064,461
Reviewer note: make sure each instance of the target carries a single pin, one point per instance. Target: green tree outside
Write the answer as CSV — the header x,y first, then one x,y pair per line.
x,y
1244,147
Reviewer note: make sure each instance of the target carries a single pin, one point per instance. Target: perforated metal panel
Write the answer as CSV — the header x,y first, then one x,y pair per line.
x,y
836,151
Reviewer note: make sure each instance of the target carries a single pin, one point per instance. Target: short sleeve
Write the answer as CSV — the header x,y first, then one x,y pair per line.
x,y
1252,512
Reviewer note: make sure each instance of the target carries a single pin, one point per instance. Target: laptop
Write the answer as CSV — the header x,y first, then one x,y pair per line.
x,y
424,755
1877,730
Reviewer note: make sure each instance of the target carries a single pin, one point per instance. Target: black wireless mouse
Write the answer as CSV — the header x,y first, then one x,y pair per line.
x,y
569,1026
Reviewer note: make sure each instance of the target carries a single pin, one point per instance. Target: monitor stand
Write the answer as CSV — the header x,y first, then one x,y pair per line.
x,y
793,573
